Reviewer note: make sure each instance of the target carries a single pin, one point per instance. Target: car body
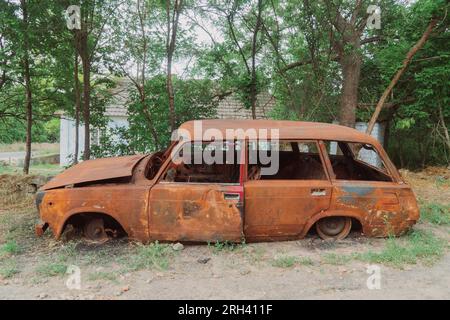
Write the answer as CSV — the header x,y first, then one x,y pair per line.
x,y
321,181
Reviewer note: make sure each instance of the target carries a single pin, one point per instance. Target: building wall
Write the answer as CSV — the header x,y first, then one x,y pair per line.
x,y
67,137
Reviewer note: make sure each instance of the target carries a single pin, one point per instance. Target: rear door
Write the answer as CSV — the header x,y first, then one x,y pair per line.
x,y
280,205
198,202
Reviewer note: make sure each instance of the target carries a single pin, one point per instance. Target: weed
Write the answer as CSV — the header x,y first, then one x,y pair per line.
x,y
51,269
435,213
290,261
11,247
102,275
336,259
8,268
226,246
420,246
154,255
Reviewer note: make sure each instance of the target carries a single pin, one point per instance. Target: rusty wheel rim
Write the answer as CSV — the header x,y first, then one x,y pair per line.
x,y
94,230
334,227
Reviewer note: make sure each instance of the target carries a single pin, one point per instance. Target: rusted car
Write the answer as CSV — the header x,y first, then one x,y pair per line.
x,y
328,179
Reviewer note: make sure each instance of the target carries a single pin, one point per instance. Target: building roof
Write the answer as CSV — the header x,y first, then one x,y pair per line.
x,y
286,130
232,108
116,107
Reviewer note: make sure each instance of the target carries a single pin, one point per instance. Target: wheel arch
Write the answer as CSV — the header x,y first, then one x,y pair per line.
x,y
87,211
335,213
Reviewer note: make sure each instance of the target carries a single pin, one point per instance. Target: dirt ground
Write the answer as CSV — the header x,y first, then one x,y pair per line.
x,y
415,266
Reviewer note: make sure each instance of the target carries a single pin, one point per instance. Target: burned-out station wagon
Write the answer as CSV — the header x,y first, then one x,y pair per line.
x,y
328,178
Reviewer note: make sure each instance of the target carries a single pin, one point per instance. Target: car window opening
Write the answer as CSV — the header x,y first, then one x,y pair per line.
x,y
356,161
298,160
205,162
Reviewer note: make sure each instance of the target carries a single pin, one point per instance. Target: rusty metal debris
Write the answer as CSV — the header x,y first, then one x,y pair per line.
x,y
321,183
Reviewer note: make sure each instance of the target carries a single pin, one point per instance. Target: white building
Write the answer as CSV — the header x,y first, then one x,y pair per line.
x,y
116,112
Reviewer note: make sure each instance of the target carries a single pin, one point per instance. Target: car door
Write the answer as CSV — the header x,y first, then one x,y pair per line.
x,y
279,206
191,208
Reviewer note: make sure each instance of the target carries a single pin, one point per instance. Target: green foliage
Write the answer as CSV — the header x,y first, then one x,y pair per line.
x,y
129,41
290,261
11,247
151,256
435,213
420,246
149,128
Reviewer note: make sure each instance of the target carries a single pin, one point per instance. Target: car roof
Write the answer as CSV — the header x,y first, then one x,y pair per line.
x,y
286,130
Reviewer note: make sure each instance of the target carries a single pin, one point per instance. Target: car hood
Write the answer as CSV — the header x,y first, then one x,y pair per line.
x,y
95,170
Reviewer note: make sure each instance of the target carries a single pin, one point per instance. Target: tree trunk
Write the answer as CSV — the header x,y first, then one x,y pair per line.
x,y
351,69
399,73
171,95
28,92
444,127
171,37
253,83
84,54
77,108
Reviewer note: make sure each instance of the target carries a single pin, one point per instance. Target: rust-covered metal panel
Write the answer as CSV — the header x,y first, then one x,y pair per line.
x,y
383,208
285,130
282,208
127,204
195,212
95,170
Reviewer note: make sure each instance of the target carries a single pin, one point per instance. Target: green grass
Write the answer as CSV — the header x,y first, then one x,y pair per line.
x,y
8,268
57,263
38,169
435,213
336,259
51,269
416,246
419,246
102,275
290,261
40,148
151,256
10,247
221,246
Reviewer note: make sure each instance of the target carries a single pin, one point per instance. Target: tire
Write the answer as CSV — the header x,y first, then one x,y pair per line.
x,y
334,228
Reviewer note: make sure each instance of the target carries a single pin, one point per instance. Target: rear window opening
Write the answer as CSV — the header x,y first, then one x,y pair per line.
x,y
356,161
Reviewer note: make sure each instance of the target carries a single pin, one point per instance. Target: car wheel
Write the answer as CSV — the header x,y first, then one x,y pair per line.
x,y
335,228
94,230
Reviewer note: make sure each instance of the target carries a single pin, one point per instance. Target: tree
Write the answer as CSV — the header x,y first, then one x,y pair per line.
x,y
172,21
94,17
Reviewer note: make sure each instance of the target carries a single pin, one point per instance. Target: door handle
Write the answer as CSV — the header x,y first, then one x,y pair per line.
x,y
231,196
318,192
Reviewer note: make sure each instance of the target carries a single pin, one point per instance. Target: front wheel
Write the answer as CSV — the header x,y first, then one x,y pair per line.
x,y
335,228
94,230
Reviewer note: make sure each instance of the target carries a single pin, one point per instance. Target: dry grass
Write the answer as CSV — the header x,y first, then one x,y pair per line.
x,y
431,184
41,148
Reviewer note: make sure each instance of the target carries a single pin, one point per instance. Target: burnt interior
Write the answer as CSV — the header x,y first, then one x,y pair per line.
x,y
298,160
296,165
225,170
347,167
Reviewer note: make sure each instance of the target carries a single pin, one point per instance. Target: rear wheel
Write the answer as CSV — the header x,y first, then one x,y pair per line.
x,y
335,228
